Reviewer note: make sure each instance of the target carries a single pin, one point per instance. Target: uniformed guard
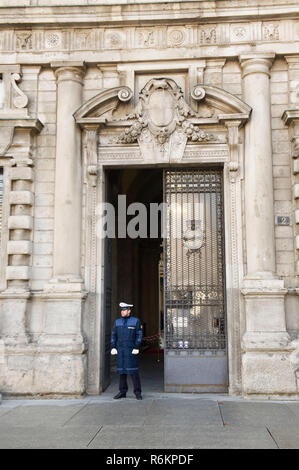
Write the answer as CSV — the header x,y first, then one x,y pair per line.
x,y
125,342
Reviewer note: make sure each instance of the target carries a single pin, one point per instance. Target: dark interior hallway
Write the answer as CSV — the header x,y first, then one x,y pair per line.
x,y
137,270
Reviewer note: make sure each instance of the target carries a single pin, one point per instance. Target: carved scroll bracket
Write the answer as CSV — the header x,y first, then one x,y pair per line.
x,y
15,101
90,144
233,126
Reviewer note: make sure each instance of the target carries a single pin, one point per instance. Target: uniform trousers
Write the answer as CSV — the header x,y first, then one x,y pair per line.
x,y
123,384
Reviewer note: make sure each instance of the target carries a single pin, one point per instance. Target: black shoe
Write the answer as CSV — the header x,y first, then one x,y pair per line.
x,y
138,397
120,395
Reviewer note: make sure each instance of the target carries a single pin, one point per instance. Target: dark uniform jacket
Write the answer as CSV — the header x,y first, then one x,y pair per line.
x,y
126,336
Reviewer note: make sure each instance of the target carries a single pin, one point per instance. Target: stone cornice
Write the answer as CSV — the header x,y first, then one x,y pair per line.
x,y
121,12
290,115
27,123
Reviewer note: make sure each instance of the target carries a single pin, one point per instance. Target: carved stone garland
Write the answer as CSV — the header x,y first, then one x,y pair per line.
x,y
162,113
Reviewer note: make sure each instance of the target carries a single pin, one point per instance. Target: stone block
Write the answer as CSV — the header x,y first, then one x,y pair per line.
x,y
282,194
62,317
281,159
265,313
42,260
279,76
277,123
45,164
44,374
279,87
29,85
281,171
47,117
21,197
41,273
45,176
268,373
44,212
44,188
47,96
232,78
20,222
297,242
277,110
46,152
47,85
44,200
48,107
284,244
22,173
234,89
296,166
37,285
280,135
281,183
297,216
44,224
285,257
47,75
49,129
285,269
19,247
43,248
279,98
46,140
292,309
294,74
18,272
296,190
283,231
281,146
43,236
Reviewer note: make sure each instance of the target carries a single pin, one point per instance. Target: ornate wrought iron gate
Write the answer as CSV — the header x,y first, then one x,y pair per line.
x,y
194,290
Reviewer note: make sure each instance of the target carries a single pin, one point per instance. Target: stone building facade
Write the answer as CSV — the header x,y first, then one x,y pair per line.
x,y
81,83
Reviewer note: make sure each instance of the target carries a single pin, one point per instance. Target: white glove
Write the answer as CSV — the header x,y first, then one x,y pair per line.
x,y
113,351
135,351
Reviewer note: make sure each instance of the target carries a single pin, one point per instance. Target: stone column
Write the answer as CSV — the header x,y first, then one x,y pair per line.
x,y
68,187
62,340
266,369
259,205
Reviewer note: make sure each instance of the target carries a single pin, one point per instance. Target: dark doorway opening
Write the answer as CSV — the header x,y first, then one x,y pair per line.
x,y
137,271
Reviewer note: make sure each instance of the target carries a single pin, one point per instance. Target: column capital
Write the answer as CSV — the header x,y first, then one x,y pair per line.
x,y
256,63
69,71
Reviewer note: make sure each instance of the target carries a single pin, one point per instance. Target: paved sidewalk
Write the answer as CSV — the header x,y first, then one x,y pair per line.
x,y
158,421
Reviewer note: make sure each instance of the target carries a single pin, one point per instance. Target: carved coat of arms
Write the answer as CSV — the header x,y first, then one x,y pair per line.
x,y
160,121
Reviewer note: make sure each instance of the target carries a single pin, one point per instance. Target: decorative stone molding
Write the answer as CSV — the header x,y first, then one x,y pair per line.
x,y
162,125
139,145
24,40
90,146
69,72
20,221
72,37
14,99
103,104
20,224
256,63
291,119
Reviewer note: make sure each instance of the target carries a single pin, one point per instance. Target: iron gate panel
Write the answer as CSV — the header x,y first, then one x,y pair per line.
x,y
194,260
